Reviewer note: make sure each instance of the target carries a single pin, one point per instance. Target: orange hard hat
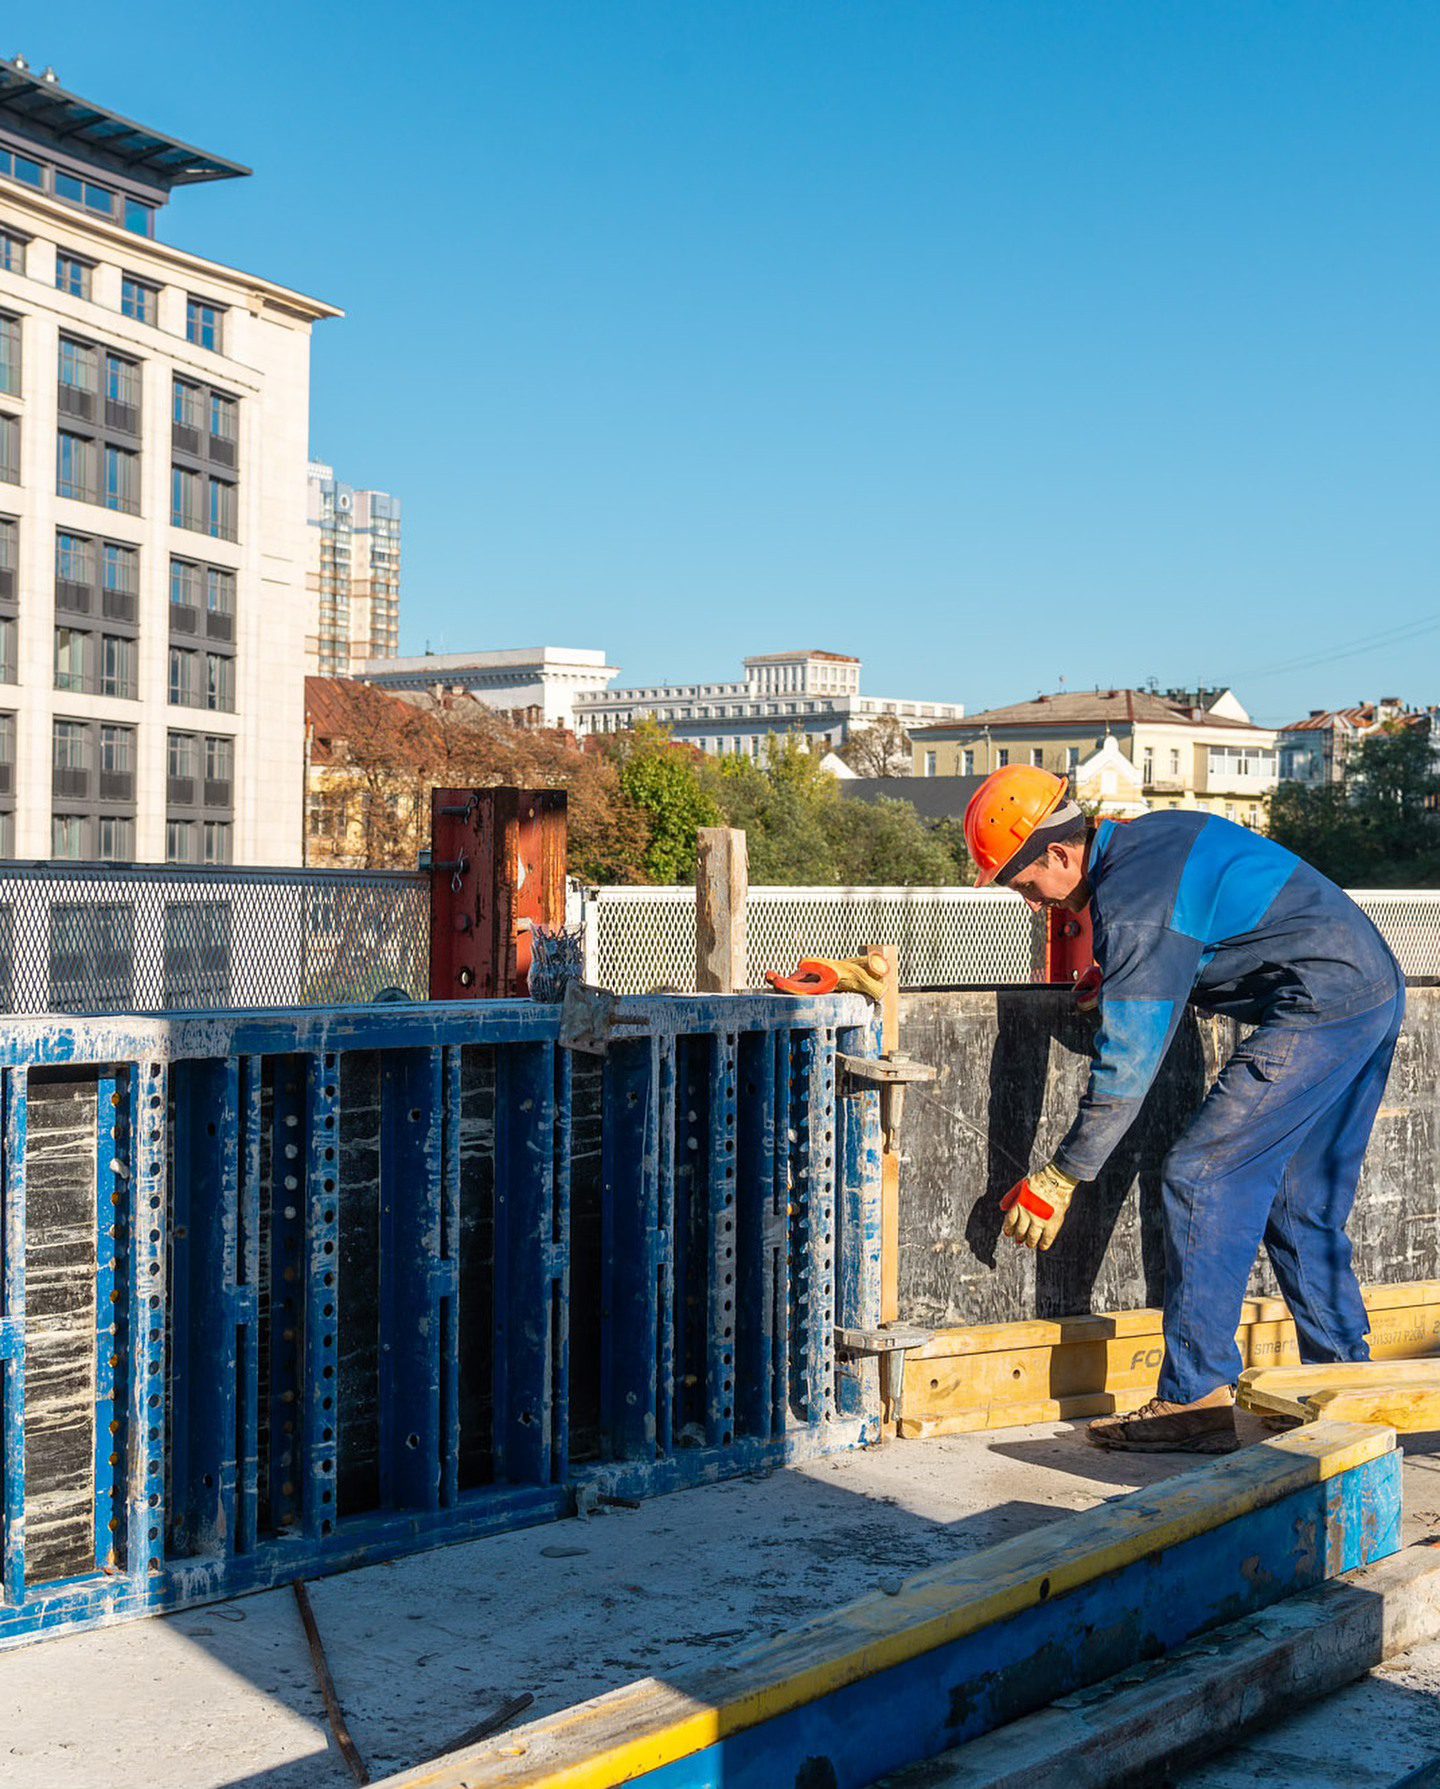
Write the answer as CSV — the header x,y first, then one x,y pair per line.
x,y
1004,811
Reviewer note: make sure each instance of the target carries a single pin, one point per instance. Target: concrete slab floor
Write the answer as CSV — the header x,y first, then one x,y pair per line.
x,y
421,1649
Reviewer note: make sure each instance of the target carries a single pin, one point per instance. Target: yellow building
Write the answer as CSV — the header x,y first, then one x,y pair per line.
x,y
1192,749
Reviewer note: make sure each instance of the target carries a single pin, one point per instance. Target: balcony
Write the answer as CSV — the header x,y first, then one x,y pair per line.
x,y
218,792
120,605
73,598
222,451
219,625
187,439
184,619
75,401
122,417
72,783
117,785
180,791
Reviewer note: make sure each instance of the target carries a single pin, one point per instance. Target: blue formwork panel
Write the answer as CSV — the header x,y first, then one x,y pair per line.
x,y
342,1309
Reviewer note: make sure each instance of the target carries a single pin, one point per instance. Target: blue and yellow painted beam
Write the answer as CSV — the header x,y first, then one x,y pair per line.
x,y
980,1640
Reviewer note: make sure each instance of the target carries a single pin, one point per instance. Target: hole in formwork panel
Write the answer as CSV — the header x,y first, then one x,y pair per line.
x,y
475,1260
61,1153
586,1244
357,1301
280,1300
691,1240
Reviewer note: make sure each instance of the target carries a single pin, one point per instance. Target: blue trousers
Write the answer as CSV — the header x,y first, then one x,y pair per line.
x,y
1272,1155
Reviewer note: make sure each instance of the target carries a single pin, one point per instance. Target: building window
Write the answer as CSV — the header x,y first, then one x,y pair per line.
x,y
79,379
1072,757
122,480
182,678
217,841
120,582
10,450
67,836
186,499
139,217
92,958
219,772
117,667
10,355
72,650
1147,766
184,591
223,510
85,193
1174,761
967,763
180,841
219,683
74,570
7,757
21,168
181,766
138,300
12,252
72,275
202,323
1002,757
330,813
122,393
224,418
1037,756
9,557
116,838
187,412
77,468
72,771
9,643
930,762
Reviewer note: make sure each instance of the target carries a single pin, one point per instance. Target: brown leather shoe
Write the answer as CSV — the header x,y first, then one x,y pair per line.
x,y
1161,1428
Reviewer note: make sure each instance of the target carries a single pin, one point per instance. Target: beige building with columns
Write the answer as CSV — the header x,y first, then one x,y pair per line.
x,y
1192,749
154,422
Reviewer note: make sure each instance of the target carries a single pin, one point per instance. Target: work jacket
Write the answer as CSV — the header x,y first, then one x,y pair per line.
x,y
1190,907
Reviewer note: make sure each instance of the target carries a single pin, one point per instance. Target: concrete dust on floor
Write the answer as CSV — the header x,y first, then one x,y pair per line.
x,y
424,1647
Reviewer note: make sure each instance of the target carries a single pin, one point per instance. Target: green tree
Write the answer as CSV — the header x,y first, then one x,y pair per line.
x,y
886,843
1380,826
662,779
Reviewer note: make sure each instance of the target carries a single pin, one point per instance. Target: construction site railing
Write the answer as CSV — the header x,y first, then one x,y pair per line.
x,y
149,938
284,1292
637,939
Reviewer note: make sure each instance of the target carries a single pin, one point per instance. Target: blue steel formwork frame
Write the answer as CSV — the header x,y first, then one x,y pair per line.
x,y
260,1177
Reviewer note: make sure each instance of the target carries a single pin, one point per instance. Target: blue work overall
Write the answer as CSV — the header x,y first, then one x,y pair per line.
x,y
1190,908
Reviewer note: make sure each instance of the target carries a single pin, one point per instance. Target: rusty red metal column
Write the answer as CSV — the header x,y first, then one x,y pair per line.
x,y
497,866
1069,944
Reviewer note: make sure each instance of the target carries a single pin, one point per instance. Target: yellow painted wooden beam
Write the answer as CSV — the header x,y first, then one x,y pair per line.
x,y
1405,1394
617,1737
1001,1375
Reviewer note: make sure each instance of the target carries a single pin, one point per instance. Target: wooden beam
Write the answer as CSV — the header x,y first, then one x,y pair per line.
x,y
722,885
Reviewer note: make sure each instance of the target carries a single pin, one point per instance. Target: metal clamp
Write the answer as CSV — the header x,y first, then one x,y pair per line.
x,y
889,1346
892,1075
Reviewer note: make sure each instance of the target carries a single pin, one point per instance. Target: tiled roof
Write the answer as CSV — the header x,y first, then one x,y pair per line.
x,y
339,709
1075,708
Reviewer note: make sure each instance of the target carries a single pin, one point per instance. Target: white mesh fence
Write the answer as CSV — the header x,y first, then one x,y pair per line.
x,y
641,939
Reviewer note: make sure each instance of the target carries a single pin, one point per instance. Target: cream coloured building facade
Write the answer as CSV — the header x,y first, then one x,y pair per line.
x,y
1191,749
154,421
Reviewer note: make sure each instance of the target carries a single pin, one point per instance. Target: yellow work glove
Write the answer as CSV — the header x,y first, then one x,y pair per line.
x,y
1035,1207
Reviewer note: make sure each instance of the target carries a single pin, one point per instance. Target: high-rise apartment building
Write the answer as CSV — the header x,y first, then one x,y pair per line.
x,y
354,574
154,415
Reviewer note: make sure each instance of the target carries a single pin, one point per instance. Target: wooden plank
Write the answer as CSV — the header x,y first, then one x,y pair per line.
x,y
1165,1717
1002,1375
722,885
979,1638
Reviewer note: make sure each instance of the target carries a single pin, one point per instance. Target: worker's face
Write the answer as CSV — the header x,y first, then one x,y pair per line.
x,y
1055,880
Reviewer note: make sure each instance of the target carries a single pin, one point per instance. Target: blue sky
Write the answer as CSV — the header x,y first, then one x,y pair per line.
x,y
999,343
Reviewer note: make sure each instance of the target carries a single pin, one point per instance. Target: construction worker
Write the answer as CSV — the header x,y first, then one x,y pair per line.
x,y
1190,907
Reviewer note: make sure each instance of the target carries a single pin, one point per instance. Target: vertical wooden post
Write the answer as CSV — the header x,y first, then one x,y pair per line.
x,y
890,1158
722,884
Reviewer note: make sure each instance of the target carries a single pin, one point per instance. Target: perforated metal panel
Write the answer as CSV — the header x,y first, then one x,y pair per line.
x,y
84,940
640,939
1409,922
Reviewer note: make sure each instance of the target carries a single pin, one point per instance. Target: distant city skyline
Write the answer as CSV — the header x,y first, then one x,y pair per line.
x,y
994,345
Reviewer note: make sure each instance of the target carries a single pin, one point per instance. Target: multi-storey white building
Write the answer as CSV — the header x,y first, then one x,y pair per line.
x,y
154,414
354,574
814,694
532,686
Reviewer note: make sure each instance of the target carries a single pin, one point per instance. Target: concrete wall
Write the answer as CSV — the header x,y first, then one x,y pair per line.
x,y
1013,1064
